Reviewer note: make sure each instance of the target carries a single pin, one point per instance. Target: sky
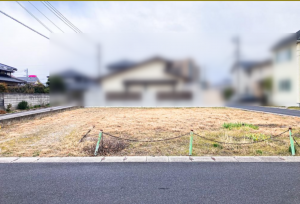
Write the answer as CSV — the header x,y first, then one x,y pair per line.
x,y
203,31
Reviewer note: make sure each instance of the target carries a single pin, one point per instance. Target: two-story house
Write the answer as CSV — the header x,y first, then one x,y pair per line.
x,y
6,76
286,66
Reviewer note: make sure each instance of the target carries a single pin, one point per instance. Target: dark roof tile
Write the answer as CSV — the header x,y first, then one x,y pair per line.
x,y
7,68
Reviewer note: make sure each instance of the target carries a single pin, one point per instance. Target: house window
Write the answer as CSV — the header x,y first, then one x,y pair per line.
x,y
285,85
284,55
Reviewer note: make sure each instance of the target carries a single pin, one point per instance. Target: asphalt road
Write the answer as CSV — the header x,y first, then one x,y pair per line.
x,y
107,183
268,109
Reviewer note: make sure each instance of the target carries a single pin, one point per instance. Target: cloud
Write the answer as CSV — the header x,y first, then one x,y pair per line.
x,y
201,25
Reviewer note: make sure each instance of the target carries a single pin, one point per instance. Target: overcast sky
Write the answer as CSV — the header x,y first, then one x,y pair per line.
x,y
137,30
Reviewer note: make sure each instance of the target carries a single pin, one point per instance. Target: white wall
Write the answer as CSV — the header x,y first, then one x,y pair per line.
x,y
32,99
151,71
286,71
240,81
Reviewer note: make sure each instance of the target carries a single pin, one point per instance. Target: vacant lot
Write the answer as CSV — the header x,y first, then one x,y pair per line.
x,y
59,134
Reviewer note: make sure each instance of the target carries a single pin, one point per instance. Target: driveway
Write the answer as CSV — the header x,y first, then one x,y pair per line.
x,y
150,183
280,111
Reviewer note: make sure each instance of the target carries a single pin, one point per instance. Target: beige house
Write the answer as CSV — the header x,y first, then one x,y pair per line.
x,y
153,82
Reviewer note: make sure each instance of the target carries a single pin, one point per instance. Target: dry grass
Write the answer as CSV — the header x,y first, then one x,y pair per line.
x,y
59,134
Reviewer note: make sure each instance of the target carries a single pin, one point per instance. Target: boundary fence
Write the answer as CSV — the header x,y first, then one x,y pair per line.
x,y
191,133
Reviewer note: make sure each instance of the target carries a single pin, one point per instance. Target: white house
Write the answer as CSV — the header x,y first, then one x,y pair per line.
x,y
249,77
283,70
153,82
286,66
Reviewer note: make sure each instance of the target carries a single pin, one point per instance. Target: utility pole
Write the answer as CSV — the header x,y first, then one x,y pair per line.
x,y
99,59
237,58
26,71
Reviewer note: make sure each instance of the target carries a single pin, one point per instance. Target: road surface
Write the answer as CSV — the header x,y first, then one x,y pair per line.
x,y
281,111
150,183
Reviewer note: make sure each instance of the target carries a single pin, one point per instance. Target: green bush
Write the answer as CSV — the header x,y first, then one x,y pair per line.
x,y
23,105
39,88
47,90
57,84
228,93
267,84
8,107
27,88
3,88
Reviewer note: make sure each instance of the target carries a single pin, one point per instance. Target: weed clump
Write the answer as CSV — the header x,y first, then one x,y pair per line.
x,y
238,125
259,152
217,146
106,147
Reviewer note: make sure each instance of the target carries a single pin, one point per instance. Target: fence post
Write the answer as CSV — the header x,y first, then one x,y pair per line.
x,y
97,146
292,142
191,143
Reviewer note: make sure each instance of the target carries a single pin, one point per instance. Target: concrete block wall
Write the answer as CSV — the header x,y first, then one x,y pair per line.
x,y
1,101
32,99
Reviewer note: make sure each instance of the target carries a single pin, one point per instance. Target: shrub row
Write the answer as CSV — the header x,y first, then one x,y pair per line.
x,y
27,88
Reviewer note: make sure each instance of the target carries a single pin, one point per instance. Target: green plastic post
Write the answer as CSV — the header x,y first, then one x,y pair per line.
x,y
292,142
97,146
191,142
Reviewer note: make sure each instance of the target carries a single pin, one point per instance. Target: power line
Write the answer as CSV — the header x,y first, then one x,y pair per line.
x,y
56,14
24,25
45,16
63,16
34,17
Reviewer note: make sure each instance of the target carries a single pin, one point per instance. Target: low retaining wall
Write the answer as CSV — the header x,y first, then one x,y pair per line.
x,y
1,101
10,119
15,99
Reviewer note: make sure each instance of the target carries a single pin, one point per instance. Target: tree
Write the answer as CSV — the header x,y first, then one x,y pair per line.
x,y
57,84
228,93
267,84
48,82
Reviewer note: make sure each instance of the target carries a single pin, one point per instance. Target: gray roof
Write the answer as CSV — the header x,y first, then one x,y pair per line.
x,y
10,79
288,40
249,65
123,64
29,79
70,73
7,68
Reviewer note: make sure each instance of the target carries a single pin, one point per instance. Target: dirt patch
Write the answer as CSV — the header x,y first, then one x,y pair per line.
x,y
59,134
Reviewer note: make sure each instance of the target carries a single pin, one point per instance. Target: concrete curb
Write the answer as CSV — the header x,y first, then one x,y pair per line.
x,y
149,159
